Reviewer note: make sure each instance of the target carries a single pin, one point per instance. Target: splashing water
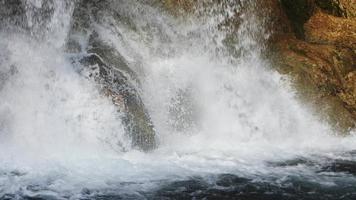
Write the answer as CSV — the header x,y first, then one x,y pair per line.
x,y
213,113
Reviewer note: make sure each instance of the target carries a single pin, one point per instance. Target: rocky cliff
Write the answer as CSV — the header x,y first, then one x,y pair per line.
x,y
317,47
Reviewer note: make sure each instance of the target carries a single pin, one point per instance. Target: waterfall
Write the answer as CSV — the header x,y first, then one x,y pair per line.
x,y
198,97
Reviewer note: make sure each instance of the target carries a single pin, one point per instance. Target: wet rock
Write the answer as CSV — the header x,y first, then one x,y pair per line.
x,y
116,84
338,166
115,77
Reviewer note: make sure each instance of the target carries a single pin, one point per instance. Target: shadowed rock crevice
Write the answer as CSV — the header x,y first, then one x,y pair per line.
x,y
298,12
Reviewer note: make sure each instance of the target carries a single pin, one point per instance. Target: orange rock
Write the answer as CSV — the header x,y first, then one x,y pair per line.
x,y
350,7
326,29
323,62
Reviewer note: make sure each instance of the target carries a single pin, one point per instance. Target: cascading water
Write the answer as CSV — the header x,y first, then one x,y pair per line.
x,y
226,125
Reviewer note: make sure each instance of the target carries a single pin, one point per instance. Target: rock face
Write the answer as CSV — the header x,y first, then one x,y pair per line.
x,y
319,51
313,41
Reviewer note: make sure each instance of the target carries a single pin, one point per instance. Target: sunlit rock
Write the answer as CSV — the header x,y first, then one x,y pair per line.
x,y
319,54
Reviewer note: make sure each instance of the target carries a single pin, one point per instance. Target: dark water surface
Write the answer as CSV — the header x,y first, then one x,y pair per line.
x,y
323,180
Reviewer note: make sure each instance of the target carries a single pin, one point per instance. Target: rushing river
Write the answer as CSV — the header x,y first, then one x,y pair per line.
x,y
227,125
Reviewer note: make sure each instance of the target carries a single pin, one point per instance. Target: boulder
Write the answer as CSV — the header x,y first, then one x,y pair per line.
x,y
111,71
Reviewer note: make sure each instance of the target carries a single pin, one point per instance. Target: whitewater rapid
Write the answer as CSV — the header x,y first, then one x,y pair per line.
x,y
213,113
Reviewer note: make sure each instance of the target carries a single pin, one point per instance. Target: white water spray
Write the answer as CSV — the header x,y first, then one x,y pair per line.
x,y
212,113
